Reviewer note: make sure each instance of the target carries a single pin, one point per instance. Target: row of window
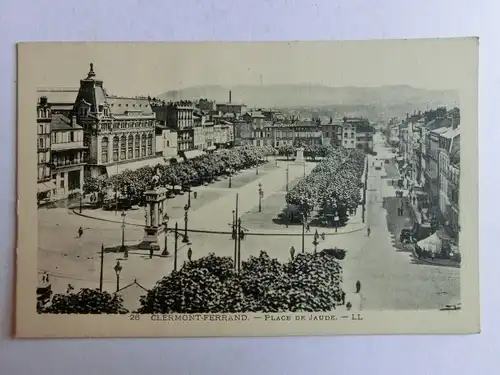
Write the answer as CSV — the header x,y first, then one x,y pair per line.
x,y
125,125
127,147
43,142
44,157
44,129
44,113
43,172
68,159
67,136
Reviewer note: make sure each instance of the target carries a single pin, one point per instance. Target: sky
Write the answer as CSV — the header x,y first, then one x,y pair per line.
x,y
153,68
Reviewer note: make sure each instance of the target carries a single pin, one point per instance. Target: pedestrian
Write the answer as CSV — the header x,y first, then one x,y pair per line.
x,y
242,235
342,298
348,306
368,231
190,254
358,286
323,236
80,232
70,288
308,227
195,194
150,252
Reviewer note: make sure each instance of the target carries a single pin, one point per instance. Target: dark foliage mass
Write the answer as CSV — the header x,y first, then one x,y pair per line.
x,y
309,282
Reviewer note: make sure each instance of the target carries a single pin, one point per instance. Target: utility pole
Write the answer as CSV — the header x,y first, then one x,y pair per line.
x,y
102,267
303,231
236,234
287,170
239,244
175,246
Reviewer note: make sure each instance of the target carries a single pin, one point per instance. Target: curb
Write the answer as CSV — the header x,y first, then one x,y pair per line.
x,y
433,263
222,232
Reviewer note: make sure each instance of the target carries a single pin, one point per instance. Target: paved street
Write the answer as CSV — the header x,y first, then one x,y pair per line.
x,y
390,278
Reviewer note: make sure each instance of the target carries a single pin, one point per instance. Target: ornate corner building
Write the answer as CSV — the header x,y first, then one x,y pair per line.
x,y
118,130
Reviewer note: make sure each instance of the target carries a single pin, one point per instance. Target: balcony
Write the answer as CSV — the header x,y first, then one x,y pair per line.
x,y
66,163
67,146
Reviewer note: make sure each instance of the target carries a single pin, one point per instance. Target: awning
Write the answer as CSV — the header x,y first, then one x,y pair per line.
x,y
43,187
192,154
210,148
431,243
132,166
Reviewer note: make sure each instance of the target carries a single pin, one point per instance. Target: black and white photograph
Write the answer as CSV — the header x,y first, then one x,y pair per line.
x,y
249,183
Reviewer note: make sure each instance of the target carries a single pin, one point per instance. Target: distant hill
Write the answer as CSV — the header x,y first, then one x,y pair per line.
x,y
316,96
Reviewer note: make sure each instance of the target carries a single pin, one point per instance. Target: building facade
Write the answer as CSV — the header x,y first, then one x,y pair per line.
x,y
119,131
69,155
180,117
307,133
348,135
45,185
166,142
237,110
332,132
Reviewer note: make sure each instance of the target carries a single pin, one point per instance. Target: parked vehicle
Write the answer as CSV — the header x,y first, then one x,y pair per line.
x,y
407,235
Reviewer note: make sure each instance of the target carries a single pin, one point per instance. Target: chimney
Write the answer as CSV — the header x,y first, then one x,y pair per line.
x,y
229,96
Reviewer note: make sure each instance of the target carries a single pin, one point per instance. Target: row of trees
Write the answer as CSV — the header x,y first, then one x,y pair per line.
x,y
306,283
199,170
310,151
333,186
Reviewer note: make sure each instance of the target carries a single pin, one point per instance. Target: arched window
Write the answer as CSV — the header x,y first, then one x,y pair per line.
x,y
130,154
116,143
104,150
123,147
150,144
143,145
137,145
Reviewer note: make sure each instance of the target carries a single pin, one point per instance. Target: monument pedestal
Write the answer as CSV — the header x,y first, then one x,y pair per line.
x,y
150,237
299,158
154,212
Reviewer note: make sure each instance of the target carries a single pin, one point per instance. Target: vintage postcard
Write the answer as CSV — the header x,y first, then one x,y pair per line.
x,y
247,189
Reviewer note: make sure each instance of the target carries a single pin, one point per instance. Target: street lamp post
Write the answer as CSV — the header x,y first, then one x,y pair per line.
x,y
257,169
261,194
316,241
123,248
118,270
292,252
186,218
230,176
81,198
235,232
102,268
303,231
165,223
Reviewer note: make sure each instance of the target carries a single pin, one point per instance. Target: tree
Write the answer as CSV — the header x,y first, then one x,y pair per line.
x,y
86,301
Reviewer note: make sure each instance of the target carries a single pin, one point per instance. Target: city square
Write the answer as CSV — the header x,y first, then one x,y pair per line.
x,y
172,204
391,277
